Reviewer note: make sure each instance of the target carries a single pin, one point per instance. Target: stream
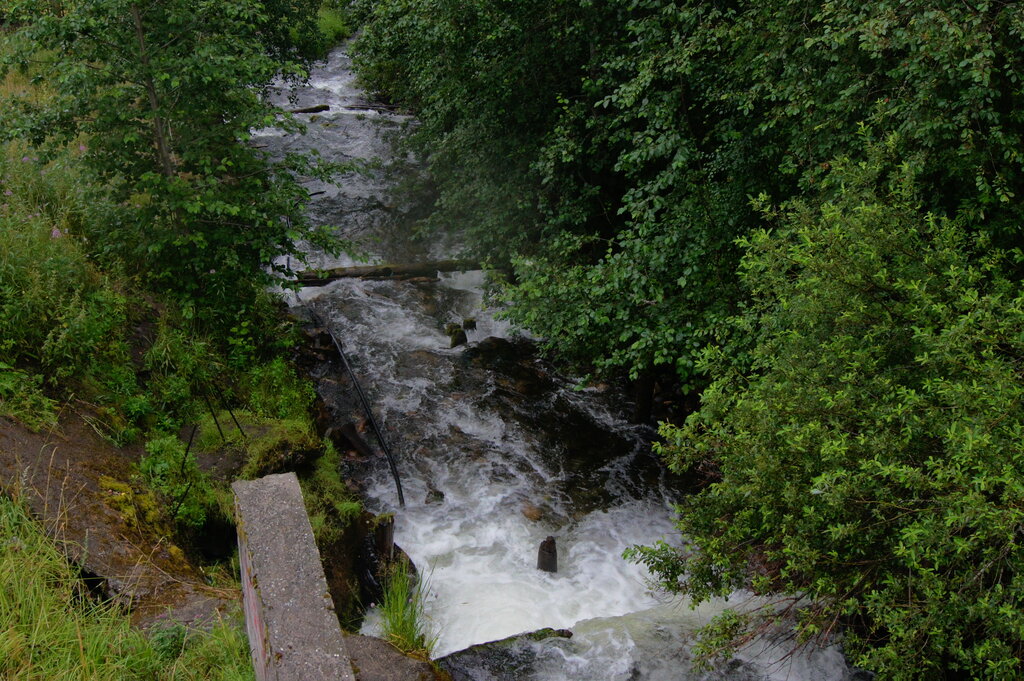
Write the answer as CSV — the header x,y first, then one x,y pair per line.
x,y
496,452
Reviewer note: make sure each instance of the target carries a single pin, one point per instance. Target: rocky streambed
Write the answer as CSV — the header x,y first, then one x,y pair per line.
x,y
495,450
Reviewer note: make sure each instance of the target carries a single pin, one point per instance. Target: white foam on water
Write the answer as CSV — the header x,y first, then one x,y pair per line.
x,y
656,645
479,553
476,547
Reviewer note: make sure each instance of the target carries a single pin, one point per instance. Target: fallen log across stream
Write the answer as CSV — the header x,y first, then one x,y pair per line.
x,y
311,109
390,271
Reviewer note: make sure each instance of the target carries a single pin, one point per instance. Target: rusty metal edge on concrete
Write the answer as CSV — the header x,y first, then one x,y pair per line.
x,y
294,633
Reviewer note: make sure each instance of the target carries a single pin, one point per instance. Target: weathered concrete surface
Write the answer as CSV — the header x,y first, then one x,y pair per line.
x,y
293,631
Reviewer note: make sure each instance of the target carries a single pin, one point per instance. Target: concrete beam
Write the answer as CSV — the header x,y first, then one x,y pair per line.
x,y
293,631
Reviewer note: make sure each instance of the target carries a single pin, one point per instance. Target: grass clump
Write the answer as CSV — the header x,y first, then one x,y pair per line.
x,y
277,392
330,504
403,620
51,630
22,398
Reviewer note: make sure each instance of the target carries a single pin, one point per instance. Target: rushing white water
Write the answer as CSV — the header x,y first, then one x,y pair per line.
x,y
476,546
496,454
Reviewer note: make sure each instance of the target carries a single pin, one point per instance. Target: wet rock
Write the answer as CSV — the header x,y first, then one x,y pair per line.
x,y
318,338
458,338
421,364
347,438
529,386
547,555
509,659
379,553
456,333
376,660
531,512
353,562
318,108
492,348
513,366
434,496
322,416
469,324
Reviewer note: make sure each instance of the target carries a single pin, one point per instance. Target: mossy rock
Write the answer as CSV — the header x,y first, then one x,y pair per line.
x,y
140,509
248,446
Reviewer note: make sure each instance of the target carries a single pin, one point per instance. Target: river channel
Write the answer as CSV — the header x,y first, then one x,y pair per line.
x,y
496,451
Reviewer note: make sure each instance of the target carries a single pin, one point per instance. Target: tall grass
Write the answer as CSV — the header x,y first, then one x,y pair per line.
x,y
51,630
403,620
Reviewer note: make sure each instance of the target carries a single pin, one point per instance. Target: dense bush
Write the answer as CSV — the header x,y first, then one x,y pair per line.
x,y
862,426
607,150
866,453
162,113
136,289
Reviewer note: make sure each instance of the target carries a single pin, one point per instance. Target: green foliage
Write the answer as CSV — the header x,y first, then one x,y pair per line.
x,y
483,77
57,311
862,424
276,391
333,24
866,454
22,398
61,318
330,504
607,150
167,111
175,474
183,366
403,620
53,631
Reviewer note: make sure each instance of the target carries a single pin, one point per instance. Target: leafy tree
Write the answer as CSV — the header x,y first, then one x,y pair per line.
x,y
861,431
866,453
485,79
161,96
613,172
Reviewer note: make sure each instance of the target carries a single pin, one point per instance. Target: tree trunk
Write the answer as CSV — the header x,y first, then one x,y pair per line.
x,y
311,109
397,271
644,392
160,132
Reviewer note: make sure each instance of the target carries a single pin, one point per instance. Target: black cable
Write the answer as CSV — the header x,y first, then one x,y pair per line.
x,y
369,415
